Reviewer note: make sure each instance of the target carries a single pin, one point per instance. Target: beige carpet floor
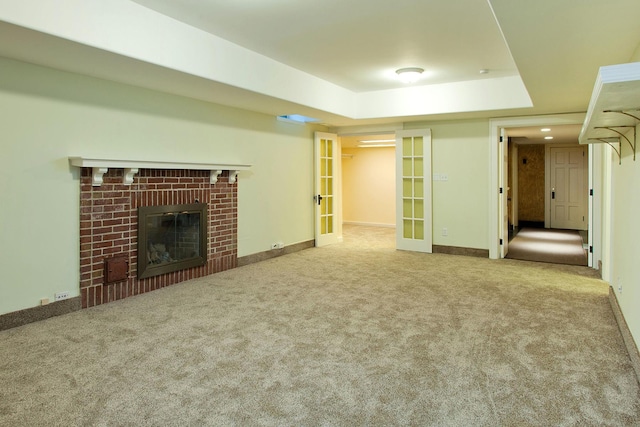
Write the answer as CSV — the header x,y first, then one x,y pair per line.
x,y
356,334
548,245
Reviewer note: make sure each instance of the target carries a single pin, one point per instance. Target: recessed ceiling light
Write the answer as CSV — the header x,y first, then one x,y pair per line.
x,y
409,74
548,137
545,130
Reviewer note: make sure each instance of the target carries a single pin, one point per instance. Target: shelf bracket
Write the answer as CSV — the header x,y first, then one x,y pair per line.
x,y
129,174
233,176
634,116
213,176
96,175
610,144
631,144
623,112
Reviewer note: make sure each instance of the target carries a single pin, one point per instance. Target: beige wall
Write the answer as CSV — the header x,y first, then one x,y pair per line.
x,y
620,211
625,224
49,115
531,176
460,150
368,186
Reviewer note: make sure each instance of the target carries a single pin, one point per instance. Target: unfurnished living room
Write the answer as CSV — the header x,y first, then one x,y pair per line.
x,y
303,213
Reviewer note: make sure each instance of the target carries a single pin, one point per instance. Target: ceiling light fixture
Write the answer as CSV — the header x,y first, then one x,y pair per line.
x,y
548,137
375,145
409,74
545,130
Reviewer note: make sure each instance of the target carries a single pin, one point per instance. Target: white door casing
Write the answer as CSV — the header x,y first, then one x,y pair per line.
x,y
504,191
495,125
414,218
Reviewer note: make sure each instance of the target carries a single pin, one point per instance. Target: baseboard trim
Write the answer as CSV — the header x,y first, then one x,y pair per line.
x,y
35,314
629,342
455,250
263,256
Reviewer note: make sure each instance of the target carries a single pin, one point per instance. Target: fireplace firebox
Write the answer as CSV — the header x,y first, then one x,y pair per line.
x,y
171,238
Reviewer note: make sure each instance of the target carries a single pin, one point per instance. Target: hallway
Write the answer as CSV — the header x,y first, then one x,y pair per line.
x,y
548,245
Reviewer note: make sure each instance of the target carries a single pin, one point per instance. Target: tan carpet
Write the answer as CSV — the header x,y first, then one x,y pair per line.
x,y
353,334
547,245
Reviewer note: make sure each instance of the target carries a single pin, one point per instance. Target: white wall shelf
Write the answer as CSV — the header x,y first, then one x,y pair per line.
x,y
614,109
131,167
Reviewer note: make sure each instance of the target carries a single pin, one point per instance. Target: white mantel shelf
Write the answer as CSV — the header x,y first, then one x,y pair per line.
x,y
614,108
131,167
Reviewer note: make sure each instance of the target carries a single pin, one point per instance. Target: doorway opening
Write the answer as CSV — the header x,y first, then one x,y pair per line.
x,y
369,180
547,194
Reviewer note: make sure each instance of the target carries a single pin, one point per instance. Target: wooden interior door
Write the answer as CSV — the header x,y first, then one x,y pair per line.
x,y
569,192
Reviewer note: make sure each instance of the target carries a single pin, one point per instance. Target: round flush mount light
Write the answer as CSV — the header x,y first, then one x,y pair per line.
x,y
548,137
409,74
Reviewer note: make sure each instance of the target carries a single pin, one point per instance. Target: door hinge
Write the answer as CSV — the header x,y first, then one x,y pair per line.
x,y
500,190
590,249
501,242
501,139
591,192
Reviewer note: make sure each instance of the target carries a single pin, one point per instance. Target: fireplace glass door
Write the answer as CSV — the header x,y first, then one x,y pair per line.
x,y
171,238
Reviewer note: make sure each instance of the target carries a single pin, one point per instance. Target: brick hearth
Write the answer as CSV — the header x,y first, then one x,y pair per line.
x,y
109,221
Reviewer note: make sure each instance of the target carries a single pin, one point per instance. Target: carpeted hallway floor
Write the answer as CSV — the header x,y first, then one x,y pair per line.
x,y
352,334
548,245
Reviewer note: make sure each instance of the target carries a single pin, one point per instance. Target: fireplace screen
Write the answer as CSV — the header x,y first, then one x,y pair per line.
x,y
171,238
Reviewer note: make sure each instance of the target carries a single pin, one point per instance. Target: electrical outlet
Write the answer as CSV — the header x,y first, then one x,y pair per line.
x,y
62,295
444,177
280,245
445,231
274,245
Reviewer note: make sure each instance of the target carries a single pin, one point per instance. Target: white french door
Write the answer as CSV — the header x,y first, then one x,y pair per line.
x,y
326,151
413,190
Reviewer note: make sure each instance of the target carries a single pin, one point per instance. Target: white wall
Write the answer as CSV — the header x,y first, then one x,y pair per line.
x,y
368,186
49,115
460,150
625,237
621,213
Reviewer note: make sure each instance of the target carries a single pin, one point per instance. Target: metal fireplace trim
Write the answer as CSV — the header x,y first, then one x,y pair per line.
x,y
144,269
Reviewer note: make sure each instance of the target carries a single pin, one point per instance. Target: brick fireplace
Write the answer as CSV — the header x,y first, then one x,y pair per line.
x,y
109,206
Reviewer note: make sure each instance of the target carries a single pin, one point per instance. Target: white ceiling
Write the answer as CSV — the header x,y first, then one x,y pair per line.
x,y
333,59
561,134
358,44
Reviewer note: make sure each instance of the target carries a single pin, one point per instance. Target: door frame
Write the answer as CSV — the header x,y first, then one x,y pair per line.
x,y
503,183
495,125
